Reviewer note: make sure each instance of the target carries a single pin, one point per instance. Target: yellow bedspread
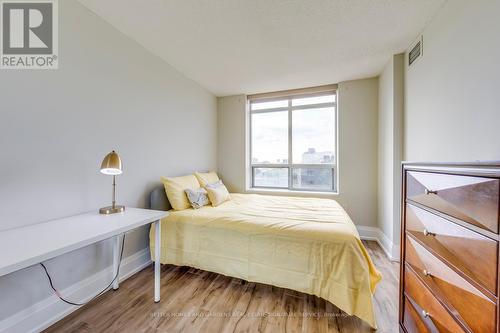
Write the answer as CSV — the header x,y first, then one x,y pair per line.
x,y
305,244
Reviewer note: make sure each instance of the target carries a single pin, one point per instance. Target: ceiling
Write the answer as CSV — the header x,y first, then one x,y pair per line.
x,y
251,46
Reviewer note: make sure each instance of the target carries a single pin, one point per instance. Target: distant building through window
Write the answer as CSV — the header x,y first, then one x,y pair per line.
x,y
293,140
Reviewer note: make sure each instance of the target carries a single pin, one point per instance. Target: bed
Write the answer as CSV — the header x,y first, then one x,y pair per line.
x,y
304,244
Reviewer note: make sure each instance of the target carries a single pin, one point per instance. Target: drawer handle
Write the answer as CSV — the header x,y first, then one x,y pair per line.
x,y
427,273
428,233
425,314
427,191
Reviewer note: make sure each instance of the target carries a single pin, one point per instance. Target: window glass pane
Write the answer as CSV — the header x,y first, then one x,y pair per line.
x,y
270,137
269,105
312,178
313,100
313,133
270,177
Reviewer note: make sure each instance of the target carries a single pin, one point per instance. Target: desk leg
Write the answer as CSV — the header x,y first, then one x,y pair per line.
x,y
116,259
157,260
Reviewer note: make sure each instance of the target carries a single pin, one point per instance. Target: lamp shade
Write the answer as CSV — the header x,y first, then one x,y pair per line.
x,y
111,164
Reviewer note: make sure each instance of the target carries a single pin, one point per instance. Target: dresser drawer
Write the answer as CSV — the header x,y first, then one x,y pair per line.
x,y
474,308
425,310
473,254
471,199
412,318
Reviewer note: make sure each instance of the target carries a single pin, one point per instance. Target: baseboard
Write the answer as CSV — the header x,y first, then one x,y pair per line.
x,y
375,234
50,310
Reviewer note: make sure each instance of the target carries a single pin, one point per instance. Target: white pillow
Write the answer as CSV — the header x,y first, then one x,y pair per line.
x,y
197,197
217,193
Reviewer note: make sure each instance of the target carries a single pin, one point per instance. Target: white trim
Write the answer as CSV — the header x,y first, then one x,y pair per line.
x,y
287,192
43,314
318,90
375,234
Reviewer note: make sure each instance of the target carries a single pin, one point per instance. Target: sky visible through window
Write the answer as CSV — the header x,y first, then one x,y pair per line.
x,y
313,130
270,137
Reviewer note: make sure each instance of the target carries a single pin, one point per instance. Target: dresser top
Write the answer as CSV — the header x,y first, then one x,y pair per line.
x,y
29,245
477,168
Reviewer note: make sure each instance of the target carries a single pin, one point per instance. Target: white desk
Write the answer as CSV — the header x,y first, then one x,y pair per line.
x,y
30,245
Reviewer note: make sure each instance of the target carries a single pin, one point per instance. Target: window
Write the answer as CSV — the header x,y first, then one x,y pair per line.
x,y
293,140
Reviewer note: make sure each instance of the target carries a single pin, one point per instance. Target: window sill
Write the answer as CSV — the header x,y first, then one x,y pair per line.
x,y
290,192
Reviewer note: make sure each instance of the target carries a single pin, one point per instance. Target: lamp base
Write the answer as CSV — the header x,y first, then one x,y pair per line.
x,y
111,210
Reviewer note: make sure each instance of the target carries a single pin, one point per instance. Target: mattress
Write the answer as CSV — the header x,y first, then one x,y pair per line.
x,y
305,244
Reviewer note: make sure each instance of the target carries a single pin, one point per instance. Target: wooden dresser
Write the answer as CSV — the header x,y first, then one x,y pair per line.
x,y
449,248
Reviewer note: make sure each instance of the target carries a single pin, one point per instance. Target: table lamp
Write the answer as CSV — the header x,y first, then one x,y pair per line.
x,y
112,165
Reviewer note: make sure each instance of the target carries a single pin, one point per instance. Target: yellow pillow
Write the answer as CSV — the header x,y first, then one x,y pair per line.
x,y
206,178
217,193
175,187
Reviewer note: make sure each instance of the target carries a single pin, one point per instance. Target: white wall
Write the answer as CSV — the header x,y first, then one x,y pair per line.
x,y
390,149
358,137
385,148
56,126
452,93
231,143
358,125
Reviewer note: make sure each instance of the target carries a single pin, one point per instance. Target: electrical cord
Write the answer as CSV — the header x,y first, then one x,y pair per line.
x,y
99,294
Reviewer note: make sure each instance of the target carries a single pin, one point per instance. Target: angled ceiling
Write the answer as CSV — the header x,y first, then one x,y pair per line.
x,y
250,46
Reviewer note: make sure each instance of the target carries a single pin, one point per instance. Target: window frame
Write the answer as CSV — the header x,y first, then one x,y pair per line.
x,y
290,95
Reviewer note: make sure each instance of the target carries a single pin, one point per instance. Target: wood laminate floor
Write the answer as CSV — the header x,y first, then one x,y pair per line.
x,y
200,301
